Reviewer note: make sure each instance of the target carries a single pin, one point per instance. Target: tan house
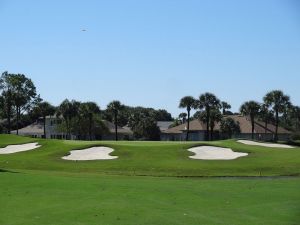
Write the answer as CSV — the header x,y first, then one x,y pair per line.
x,y
198,131
36,130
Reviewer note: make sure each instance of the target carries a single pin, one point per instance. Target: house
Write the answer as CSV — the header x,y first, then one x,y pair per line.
x,y
36,130
164,125
198,131
124,133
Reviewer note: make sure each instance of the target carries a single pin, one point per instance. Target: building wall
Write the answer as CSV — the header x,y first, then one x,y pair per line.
x,y
112,137
262,137
52,131
200,136
193,136
172,137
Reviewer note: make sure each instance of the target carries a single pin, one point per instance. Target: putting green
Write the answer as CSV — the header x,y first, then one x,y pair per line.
x,y
153,159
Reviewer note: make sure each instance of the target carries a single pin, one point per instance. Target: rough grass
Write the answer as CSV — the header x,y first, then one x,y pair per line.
x,y
154,159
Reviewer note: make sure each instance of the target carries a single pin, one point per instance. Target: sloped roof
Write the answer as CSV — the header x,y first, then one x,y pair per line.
x,y
38,128
195,125
271,128
32,129
164,125
244,122
111,128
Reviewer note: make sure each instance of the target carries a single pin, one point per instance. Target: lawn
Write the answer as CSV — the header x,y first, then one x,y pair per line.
x,y
150,183
60,199
154,159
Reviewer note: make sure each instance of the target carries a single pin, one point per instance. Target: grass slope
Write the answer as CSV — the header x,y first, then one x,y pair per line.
x,y
58,199
154,159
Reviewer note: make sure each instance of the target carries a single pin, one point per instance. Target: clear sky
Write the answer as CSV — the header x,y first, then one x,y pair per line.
x,y
153,52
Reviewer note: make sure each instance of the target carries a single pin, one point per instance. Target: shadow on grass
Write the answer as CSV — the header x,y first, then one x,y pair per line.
x,y
7,171
294,143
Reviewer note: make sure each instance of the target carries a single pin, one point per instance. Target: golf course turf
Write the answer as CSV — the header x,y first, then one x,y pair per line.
x,y
150,183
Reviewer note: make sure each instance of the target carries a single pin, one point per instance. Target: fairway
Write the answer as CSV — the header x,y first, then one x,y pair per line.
x,y
149,183
70,199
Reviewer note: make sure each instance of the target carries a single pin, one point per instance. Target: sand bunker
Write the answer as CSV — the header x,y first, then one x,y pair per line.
x,y
10,149
215,153
94,153
269,145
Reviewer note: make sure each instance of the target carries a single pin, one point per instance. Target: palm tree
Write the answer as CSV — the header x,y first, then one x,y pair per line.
x,y
225,106
279,102
182,116
215,117
208,101
187,102
251,108
45,109
114,107
229,127
266,115
68,110
88,110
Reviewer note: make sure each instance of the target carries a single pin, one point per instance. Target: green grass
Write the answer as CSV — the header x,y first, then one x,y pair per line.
x,y
154,159
108,200
150,183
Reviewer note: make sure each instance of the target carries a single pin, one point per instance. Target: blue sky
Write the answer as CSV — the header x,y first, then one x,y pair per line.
x,y
153,52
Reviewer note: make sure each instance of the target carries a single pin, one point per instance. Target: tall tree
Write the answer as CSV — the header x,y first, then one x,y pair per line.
x,y
296,117
6,104
187,102
279,102
225,106
182,116
162,115
7,101
229,127
23,93
251,109
265,115
115,107
89,110
68,110
144,126
207,102
215,117
44,109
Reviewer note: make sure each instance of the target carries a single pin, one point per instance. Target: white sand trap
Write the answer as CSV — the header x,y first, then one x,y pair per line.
x,y
269,145
215,153
10,149
94,153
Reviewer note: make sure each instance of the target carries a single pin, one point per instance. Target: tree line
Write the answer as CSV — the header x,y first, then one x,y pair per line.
x,y
20,105
276,108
